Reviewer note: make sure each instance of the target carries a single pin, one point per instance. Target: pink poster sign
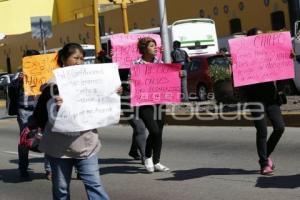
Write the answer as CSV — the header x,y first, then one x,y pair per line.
x,y
124,48
261,58
155,84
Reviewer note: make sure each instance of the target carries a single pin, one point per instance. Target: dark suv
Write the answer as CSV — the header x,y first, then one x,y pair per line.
x,y
198,79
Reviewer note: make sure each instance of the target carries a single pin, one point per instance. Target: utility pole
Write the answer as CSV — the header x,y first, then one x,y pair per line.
x,y
96,28
294,13
164,30
125,16
124,6
43,35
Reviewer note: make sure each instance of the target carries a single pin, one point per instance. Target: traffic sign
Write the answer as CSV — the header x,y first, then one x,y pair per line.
x,y
41,27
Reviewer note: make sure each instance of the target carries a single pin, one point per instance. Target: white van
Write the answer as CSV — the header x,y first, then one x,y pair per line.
x,y
197,36
89,50
90,56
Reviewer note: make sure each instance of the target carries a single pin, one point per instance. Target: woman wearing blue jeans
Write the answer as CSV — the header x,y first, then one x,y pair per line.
x,y
63,150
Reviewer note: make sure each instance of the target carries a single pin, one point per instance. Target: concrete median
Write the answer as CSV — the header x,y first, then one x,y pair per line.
x,y
292,119
2,103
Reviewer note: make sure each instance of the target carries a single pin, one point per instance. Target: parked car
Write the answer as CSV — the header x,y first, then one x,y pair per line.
x,y
199,83
5,80
292,86
199,80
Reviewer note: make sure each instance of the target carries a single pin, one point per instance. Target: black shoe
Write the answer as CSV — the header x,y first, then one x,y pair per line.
x,y
78,176
135,156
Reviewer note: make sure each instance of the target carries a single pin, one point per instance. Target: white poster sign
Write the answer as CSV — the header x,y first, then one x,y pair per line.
x,y
89,97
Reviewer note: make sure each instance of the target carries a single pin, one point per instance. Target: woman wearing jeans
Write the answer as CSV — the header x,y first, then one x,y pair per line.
x,y
152,115
264,102
65,151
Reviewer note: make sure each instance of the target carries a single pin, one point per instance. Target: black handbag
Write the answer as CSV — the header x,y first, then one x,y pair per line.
x,y
30,139
281,98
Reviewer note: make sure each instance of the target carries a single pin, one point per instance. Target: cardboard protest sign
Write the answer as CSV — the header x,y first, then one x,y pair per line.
x,y
89,97
261,58
37,71
155,84
125,51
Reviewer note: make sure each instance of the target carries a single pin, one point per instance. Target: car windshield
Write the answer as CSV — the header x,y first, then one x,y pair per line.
x,y
221,61
89,52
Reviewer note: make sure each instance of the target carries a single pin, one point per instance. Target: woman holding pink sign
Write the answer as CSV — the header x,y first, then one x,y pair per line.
x,y
152,115
265,102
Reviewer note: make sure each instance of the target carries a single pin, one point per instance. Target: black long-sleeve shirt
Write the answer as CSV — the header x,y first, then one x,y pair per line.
x,y
260,92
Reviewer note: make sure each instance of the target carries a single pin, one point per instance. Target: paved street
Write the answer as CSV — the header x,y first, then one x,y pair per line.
x,y
206,162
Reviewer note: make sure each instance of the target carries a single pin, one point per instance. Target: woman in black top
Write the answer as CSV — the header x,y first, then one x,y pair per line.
x,y
264,102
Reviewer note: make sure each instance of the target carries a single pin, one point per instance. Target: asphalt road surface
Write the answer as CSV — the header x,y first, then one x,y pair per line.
x,y
207,163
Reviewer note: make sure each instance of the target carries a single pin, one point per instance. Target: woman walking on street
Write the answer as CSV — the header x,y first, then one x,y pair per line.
x,y
265,102
65,151
152,115
25,105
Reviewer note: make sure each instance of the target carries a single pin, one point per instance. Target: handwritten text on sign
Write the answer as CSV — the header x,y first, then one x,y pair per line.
x,y
155,84
37,71
261,58
89,97
125,49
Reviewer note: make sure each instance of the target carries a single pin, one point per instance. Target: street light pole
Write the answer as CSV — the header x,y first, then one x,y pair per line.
x,y
96,27
124,6
43,36
164,30
125,16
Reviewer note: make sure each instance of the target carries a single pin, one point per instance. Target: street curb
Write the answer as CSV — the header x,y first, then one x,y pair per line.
x,y
2,103
291,119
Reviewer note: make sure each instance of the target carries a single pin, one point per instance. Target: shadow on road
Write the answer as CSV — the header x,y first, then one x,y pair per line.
x,y
108,161
12,176
2,116
104,161
181,175
122,168
289,182
31,160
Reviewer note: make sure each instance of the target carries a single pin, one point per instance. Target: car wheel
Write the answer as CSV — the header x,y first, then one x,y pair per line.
x,y
201,92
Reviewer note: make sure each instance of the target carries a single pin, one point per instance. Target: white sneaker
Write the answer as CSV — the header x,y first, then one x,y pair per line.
x,y
161,168
149,165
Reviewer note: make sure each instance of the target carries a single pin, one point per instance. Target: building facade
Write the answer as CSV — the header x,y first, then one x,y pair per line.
x,y
70,16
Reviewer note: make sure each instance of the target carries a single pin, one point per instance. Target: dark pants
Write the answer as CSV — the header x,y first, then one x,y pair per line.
x,y
138,142
153,118
22,119
266,147
184,91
